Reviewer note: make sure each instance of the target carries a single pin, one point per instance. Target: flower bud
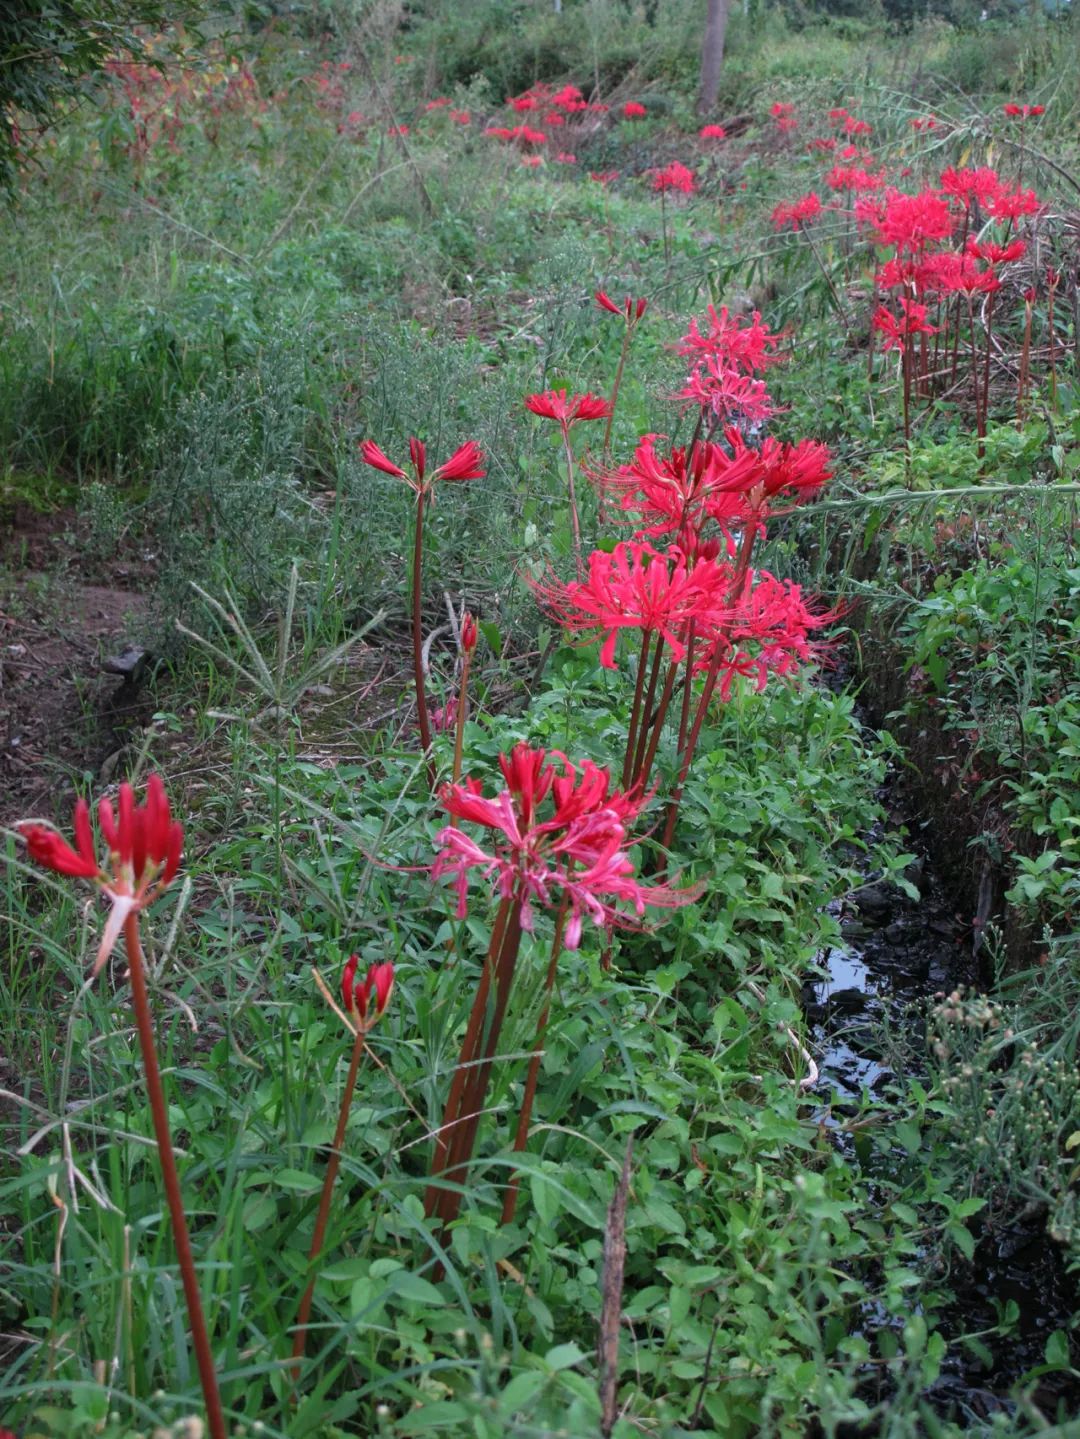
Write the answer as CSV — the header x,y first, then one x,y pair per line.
x,y
469,634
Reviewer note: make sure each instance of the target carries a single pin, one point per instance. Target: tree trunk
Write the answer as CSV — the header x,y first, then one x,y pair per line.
x,y
712,54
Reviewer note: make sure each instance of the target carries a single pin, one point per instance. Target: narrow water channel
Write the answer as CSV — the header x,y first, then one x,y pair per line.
x,y
896,953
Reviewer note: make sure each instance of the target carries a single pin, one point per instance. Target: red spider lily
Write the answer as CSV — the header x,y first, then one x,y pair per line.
x,y
357,994
783,114
635,588
144,845
1012,204
971,186
674,177
466,463
568,98
633,110
554,118
567,411
911,222
925,122
462,117
577,851
469,634
744,344
996,254
532,162
767,631
822,143
630,309
712,132
856,127
897,330
729,395
438,104
1023,112
791,473
604,177
838,115
565,158
797,213
668,494
853,178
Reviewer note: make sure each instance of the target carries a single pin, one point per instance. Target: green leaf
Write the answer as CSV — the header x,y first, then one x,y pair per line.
x,y
296,1181
564,1356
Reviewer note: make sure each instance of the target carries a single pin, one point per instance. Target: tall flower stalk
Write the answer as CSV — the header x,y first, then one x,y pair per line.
x,y
567,412
630,312
559,836
364,1002
466,463
144,847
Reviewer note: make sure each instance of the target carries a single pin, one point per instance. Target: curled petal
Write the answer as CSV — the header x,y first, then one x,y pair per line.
x,y
372,455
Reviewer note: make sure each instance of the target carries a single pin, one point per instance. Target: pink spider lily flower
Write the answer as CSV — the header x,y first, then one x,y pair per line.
x,y
466,463
631,310
567,411
674,177
634,587
578,851
144,847
357,994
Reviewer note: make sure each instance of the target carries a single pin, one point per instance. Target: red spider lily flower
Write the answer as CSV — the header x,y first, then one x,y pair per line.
x,y
631,310
444,717
578,851
466,463
532,162
798,213
970,186
469,633
730,395
357,995
766,631
437,104
569,98
462,117
604,177
926,122
856,127
635,588
633,110
565,158
823,143
554,118
668,494
398,130
841,177
144,846
793,472
996,254
524,103
1012,204
911,222
1023,112
745,345
896,330
555,405
674,177
712,132
838,115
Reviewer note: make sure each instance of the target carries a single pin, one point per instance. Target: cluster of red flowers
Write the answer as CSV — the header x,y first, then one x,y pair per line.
x,y
783,115
575,846
674,177
160,103
797,213
726,360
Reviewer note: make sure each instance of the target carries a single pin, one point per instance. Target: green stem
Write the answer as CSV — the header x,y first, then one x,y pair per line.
x,y
627,332
144,1024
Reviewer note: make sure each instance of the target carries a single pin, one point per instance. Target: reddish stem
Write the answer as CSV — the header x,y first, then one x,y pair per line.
x,y
575,523
321,1219
627,334
521,1137
635,709
647,717
144,1024
418,635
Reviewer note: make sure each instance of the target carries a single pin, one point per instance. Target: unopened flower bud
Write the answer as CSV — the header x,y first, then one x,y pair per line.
x,y
469,634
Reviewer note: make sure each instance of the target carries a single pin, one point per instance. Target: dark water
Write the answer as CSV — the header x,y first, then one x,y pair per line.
x,y
896,953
